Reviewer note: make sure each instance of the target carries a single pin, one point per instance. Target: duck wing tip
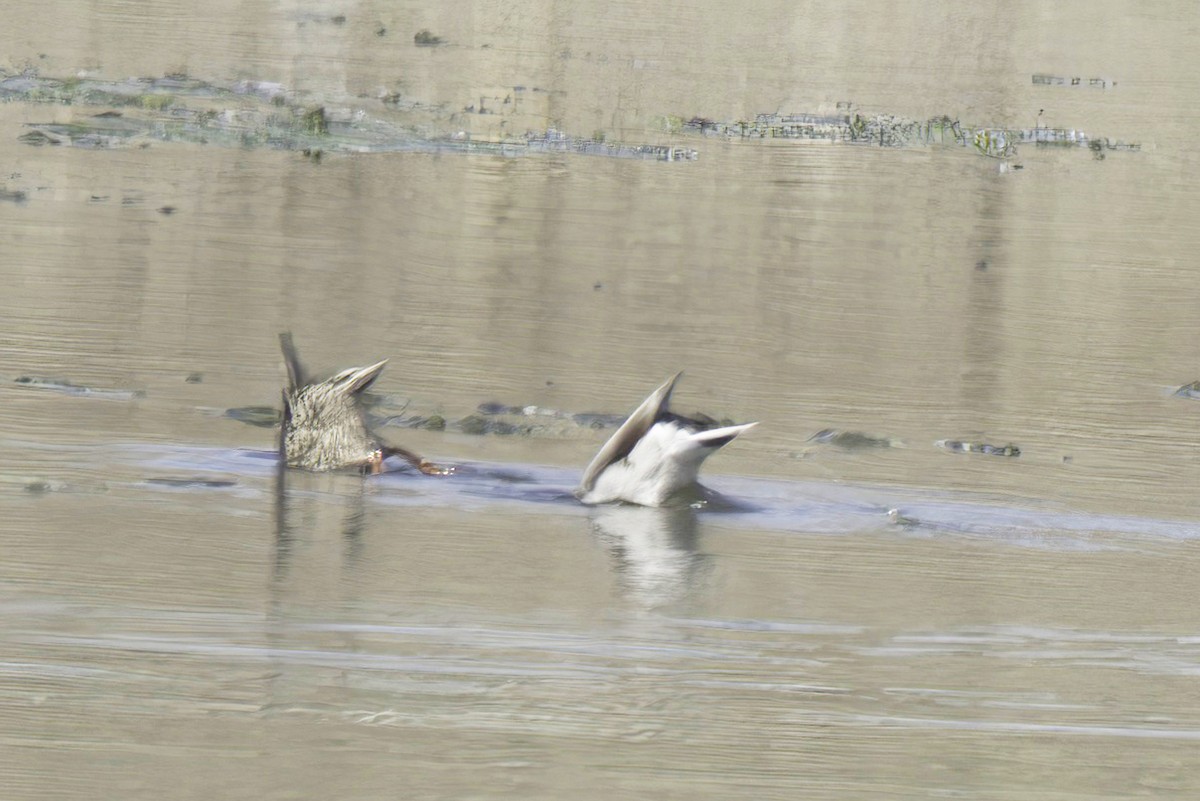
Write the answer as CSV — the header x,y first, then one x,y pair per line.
x,y
626,437
291,360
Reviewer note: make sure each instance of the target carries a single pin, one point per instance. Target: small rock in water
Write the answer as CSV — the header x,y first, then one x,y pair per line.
x,y
1191,390
425,38
898,519
494,407
434,422
851,440
597,420
549,420
958,446
35,485
479,424
38,138
473,424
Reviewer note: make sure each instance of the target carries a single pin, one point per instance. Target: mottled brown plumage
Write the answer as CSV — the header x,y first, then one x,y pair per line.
x,y
324,424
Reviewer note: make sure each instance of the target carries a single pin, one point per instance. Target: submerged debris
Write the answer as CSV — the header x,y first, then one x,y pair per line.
x,y
898,519
851,440
192,483
1191,390
181,108
557,142
490,418
598,420
315,122
38,137
425,38
264,114
959,446
1041,79
845,440
886,130
434,422
593,420
260,416
34,485
481,424
64,386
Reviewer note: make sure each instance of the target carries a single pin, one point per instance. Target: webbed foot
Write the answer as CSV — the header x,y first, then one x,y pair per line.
x,y
420,462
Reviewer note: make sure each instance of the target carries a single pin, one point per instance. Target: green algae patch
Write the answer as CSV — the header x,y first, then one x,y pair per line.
x,y
155,102
315,123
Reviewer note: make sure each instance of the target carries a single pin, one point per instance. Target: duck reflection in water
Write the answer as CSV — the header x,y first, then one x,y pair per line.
x,y
654,551
324,426
319,519
654,457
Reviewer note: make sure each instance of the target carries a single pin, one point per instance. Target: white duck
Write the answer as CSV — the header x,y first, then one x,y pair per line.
x,y
653,455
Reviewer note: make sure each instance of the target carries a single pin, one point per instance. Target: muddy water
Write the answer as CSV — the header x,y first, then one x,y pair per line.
x,y
177,620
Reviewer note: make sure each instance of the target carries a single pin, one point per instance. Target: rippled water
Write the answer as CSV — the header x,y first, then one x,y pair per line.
x,y
180,620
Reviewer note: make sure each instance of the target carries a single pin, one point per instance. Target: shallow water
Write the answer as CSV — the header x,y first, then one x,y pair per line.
x,y
179,620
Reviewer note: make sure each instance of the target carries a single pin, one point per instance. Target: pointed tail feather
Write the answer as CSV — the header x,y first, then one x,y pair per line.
x,y
359,378
717,437
296,375
634,428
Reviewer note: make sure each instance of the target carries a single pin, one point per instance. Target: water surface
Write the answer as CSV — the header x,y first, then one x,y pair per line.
x,y
177,620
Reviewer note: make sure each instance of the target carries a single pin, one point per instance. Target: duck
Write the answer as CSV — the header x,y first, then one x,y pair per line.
x,y
324,423
655,456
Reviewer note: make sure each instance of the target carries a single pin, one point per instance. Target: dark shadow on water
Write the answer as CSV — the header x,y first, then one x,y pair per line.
x,y
711,501
480,481
272,456
541,485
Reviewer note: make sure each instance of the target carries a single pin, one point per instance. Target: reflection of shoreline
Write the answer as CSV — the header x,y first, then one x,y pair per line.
x,y
654,551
